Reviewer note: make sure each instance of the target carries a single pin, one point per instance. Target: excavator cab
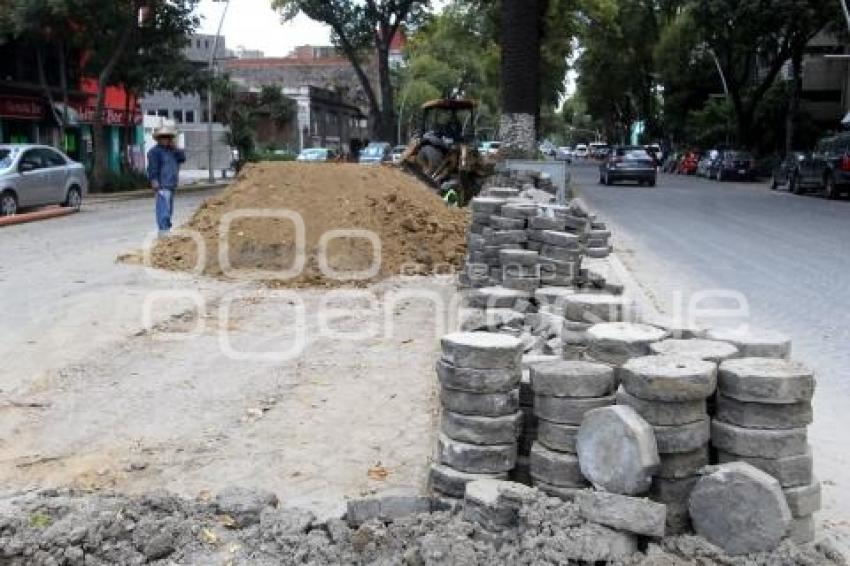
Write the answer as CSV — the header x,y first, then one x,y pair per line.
x,y
444,153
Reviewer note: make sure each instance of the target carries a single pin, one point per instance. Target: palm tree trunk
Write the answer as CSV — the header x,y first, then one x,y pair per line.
x,y
521,30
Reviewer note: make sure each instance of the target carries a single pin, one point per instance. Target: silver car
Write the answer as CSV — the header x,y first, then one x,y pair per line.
x,y
38,175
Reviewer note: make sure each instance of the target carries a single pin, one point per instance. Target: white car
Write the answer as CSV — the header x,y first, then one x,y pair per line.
x,y
39,175
489,147
581,151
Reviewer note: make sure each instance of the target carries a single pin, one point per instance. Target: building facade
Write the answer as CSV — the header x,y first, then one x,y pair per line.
x,y
27,117
189,112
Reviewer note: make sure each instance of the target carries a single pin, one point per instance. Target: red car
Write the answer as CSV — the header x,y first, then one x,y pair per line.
x,y
688,164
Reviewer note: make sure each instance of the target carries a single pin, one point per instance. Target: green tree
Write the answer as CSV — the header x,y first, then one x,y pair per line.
x,y
43,26
241,111
363,28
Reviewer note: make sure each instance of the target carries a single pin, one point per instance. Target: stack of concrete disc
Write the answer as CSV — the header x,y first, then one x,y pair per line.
x,y
670,393
528,434
763,409
583,310
615,343
479,375
501,192
563,392
753,342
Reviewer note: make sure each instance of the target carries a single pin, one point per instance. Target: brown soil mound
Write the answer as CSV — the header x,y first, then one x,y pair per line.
x,y
417,232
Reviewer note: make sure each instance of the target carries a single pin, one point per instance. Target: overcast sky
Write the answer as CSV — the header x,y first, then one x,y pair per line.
x,y
254,25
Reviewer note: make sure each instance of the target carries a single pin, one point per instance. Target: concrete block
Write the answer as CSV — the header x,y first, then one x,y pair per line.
x,y
484,506
547,223
763,380
554,298
759,443
476,459
550,267
630,514
616,343
559,239
664,413
763,415
668,378
525,284
557,280
480,404
682,465
567,410
478,380
520,210
500,237
598,253
789,471
685,438
754,343
524,258
533,245
496,297
803,500
557,437
386,508
740,509
481,350
594,308
563,493
487,205
555,468
558,253
617,450
708,350
505,223
802,530
482,430
572,379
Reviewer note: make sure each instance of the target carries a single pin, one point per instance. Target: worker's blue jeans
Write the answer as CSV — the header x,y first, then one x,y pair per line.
x,y
164,208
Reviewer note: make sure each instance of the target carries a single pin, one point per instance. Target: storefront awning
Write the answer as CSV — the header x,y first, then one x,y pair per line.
x,y
73,115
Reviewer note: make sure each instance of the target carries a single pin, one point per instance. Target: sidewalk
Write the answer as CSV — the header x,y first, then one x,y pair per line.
x,y
94,198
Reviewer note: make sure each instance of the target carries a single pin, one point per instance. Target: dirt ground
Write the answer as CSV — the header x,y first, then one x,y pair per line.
x,y
192,406
415,231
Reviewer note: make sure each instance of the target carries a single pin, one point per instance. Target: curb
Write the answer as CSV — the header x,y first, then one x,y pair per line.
x,y
44,214
96,198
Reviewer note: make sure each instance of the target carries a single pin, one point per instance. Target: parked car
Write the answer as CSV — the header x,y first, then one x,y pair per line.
x,y
827,168
733,164
705,163
671,163
581,151
38,175
787,172
564,154
598,150
628,163
317,154
688,163
398,151
489,147
376,152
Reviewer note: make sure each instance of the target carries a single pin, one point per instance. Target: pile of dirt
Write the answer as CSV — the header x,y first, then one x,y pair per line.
x,y
418,234
242,527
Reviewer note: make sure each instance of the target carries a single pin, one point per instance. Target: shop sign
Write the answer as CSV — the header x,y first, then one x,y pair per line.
x,y
21,107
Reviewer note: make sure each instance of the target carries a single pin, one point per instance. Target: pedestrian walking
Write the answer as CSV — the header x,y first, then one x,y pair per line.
x,y
164,161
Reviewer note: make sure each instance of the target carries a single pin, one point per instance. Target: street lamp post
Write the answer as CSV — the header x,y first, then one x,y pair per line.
x,y
210,91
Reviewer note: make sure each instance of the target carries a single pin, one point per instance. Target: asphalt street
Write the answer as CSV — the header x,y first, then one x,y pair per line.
x,y
789,256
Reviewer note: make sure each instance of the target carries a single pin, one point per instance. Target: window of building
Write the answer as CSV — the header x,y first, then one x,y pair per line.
x,y
151,112
207,44
190,116
178,116
162,113
206,117
198,43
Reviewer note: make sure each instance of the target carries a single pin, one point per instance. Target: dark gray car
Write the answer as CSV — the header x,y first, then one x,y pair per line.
x,y
38,175
628,163
826,169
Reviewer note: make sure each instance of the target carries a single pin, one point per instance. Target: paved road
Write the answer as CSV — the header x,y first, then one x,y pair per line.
x,y
789,256
63,293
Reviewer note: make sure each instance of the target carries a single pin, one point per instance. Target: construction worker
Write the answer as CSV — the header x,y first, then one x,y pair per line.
x,y
164,161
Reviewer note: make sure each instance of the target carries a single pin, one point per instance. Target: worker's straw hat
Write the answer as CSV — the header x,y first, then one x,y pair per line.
x,y
166,131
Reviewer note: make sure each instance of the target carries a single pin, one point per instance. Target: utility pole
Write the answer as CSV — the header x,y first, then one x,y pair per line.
x,y
210,92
